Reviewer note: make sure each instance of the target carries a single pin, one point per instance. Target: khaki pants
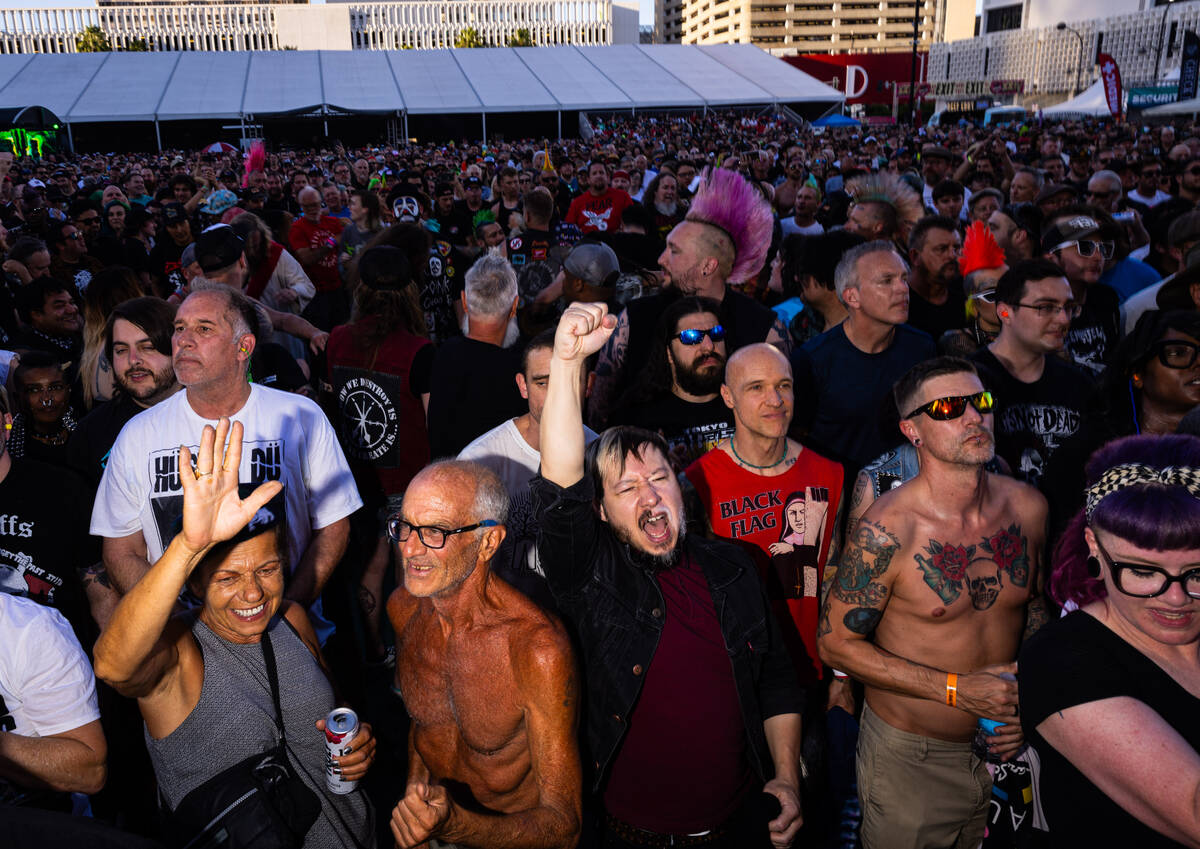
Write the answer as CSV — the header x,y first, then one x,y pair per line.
x,y
917,792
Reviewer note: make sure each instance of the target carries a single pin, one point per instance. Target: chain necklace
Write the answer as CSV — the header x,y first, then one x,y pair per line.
x,y
738,457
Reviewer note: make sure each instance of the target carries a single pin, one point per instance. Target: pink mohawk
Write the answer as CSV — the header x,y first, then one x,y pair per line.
x,y
727,201
255,161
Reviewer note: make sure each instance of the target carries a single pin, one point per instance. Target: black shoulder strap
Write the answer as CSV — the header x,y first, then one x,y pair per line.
x,y
273,676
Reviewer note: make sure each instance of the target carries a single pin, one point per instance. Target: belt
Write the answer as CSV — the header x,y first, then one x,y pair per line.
x,y
658,840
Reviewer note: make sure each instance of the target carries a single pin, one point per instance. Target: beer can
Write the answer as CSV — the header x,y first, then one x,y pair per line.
x,y
341,727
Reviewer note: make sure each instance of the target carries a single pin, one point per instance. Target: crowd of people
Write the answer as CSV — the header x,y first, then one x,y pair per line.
x,y
710,482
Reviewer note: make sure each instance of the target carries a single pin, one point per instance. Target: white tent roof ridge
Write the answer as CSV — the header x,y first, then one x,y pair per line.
x,y
1092,101
170,85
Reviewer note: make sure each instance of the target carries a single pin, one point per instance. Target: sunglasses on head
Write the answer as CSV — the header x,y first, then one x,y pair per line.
x,y
953,406
692,336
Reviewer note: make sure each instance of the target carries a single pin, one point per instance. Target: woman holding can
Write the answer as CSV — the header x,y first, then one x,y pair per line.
x,y
203,679
1110,693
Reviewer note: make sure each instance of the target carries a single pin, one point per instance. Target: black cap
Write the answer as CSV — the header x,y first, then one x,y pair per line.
x,y
218,247
472,182
384,268
272,365
1069,230
173,213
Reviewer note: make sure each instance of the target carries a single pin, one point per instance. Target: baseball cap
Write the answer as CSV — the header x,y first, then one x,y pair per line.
x,y
620,172
1185,228
188,256
1054,190
936,151
218,247
1069,230
173,213
472,182
219,201
36,183
593,263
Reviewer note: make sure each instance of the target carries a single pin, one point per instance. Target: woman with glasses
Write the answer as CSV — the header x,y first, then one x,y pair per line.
x,y
1154,379
1110,693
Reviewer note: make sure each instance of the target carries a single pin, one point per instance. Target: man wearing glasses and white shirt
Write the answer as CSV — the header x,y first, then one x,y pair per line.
x,y
1075,242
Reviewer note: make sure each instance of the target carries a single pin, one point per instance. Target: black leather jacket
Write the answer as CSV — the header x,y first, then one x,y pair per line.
x,y
617,610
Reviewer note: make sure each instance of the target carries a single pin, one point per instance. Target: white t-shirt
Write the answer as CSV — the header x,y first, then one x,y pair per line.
x,y
46,683
790,227
1159,197
503,450
286,438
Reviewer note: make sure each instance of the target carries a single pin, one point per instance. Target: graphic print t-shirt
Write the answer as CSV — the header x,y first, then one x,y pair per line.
x,y
786,524
599,213
305,234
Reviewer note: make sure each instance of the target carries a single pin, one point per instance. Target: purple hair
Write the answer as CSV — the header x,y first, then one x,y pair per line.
x,y
1151,516
727,201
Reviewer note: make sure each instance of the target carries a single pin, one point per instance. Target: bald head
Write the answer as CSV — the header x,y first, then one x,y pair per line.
x,y
471,491
753,361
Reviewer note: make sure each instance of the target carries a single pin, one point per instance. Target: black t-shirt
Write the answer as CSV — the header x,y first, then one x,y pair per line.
x,y
1074,661
472,389
844,407
936,319
92,441
439,291
455,228
165,267
1045,430
690,429
44,542
1096,330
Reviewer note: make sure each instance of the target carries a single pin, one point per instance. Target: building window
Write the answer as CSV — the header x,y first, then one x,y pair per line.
x,y
1004,17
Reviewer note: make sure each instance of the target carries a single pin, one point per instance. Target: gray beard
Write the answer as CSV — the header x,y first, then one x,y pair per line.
x,y
663,209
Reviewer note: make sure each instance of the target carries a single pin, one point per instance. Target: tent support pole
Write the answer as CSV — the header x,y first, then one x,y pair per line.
x,y
406,135
71,138
560,123
483,118
157,135
326,123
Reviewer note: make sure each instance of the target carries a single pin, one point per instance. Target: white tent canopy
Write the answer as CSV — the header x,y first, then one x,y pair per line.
x,y
1182,107
1091,103
113,87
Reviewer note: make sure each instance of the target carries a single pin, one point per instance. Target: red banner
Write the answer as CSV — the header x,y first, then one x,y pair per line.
x,y
1111,74
864,77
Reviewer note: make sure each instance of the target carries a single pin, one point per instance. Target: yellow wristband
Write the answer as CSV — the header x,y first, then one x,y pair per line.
x,y
952,689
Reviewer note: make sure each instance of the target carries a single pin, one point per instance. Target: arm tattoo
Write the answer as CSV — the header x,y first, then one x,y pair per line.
x,y
951,569
366,600
868,556
1036,615
95,574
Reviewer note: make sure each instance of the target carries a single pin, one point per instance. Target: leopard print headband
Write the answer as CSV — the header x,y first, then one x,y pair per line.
x,y
1135,474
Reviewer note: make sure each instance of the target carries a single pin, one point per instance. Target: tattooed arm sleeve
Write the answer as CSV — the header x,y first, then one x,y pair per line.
x,y
609,371
858,595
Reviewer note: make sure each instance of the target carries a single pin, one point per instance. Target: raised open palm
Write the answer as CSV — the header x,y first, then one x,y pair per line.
x,y
212,509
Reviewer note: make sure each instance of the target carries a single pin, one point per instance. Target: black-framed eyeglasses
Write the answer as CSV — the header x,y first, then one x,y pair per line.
x,y
1088,247
430,536
1142,581
1194,170
1048,310
1100,195
693,336
1176,353
953,406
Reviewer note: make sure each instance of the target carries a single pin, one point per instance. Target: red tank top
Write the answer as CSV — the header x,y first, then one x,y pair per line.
x,y
786,524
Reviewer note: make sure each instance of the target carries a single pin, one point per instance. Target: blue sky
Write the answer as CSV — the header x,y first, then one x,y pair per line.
x,y
647,6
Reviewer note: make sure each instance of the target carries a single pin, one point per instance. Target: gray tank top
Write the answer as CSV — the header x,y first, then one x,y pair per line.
x,y
235,719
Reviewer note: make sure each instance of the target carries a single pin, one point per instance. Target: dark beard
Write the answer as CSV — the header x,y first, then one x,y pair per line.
x,y
655,563
696,382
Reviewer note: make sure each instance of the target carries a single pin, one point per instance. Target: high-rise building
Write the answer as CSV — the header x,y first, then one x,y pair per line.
x,y
786,27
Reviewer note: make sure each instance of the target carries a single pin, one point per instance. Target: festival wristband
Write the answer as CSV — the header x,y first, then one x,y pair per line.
x,y
952,689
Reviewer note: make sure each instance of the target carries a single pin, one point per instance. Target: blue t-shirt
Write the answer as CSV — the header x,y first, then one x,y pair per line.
x,y
1130,276
844,406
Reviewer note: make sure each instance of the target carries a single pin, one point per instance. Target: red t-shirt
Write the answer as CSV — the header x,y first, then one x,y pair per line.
x,y
599,213
682,766
305,234
786,524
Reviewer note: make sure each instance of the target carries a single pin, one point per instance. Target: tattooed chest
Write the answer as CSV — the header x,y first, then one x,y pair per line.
x,y
979,570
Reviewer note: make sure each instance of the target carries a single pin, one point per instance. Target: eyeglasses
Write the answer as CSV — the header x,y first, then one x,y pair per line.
x,y
1193,171
430,536
1047,311
988,296
1152,175
1177,354
953,406
1088,247
1099,195
73,236
692,336
1142,581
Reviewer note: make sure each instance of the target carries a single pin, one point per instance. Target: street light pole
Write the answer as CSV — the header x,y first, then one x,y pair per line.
x,y
1162,29
1060,27
912,85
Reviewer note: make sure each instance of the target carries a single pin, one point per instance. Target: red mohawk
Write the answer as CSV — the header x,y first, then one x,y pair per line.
x,y
980,250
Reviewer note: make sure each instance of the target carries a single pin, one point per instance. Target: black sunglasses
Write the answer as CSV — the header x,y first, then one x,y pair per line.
x,y
692,336
953,406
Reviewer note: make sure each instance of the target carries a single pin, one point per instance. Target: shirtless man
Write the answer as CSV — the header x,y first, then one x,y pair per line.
x,y
927,609
487,677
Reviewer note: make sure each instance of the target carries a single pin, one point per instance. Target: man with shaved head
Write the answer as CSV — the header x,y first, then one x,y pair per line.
x,y
762,488
488,678
314,240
